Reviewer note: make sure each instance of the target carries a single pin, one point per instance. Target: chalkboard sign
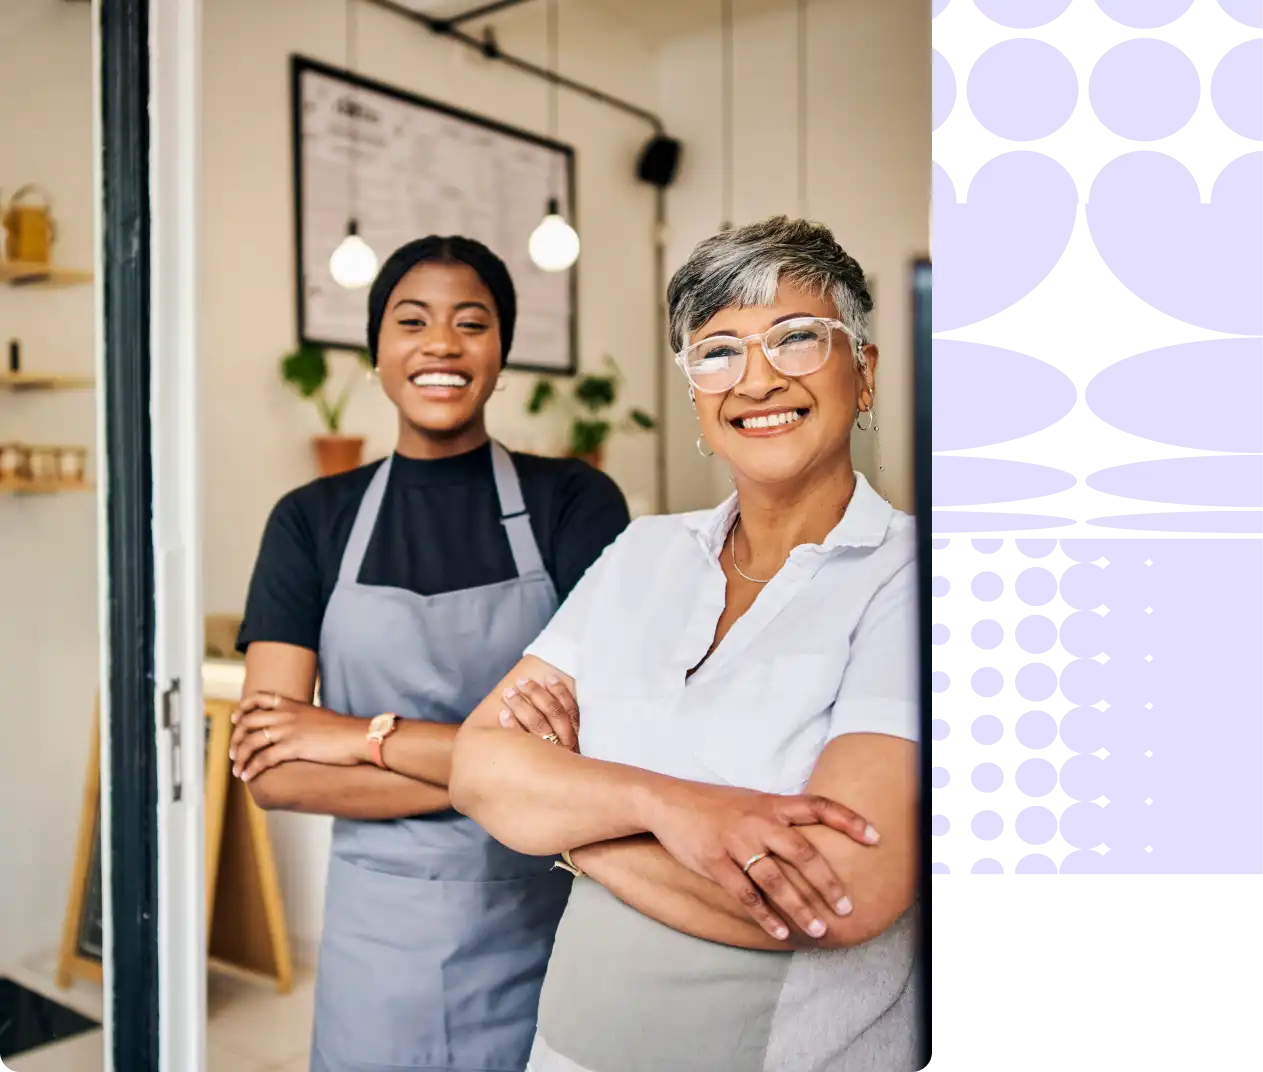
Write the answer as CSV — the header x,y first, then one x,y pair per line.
x,y
90,939
245,917
91,925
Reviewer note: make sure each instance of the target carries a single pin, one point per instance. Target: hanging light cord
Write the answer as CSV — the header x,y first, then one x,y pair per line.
x,y
553,63
727,107
802,108
352,162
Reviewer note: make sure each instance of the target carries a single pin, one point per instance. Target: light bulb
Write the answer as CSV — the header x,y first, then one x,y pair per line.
x,y
554,244
353,264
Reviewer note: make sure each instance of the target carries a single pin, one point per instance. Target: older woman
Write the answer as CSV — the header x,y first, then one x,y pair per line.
x,y
746,676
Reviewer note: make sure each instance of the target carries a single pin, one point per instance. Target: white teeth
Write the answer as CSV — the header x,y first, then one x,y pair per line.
x,y
439,379
771,421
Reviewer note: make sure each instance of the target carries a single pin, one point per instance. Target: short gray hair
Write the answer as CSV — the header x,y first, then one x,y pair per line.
x,y
743,267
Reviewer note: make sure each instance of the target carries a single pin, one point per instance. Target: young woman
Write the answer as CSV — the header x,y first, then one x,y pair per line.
x,y
412,586
742,675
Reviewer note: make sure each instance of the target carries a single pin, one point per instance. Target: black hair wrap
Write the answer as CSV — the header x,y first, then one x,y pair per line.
x,y
439,249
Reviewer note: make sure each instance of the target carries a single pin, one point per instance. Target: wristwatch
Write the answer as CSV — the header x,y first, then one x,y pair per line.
x,y
378,730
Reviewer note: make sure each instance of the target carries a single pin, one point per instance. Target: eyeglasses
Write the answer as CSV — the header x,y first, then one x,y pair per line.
x,y
795,347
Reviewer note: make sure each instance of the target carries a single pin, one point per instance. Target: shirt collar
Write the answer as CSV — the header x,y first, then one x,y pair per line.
x,y
863,525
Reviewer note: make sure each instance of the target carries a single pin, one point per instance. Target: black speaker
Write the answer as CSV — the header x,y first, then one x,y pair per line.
x,y
658,161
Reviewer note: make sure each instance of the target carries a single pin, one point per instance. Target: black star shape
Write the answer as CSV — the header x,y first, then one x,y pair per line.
x,y
1084,32
1205,33
1085,145
1206,145
963,144
1080,320
1083,443
963,33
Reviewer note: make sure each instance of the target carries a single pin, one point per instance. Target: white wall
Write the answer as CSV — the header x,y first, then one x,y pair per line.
x,y
256,441
48,615
868,179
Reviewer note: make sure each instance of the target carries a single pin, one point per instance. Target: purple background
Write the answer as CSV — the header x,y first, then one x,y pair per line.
x,y
1182,729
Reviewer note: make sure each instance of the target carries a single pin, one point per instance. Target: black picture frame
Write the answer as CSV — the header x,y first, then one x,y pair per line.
x,y
922,293
131,742
300,65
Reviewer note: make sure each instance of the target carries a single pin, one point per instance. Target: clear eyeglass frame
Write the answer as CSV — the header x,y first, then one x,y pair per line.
x,y
712,370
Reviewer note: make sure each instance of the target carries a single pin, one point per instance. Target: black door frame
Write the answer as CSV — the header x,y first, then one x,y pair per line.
x,y
131,743
923,422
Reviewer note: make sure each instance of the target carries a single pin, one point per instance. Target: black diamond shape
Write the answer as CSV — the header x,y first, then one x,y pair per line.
x,y
1084,32
1080,320
1083,443
963,144
963,34
1206,145
1085,145
1205,33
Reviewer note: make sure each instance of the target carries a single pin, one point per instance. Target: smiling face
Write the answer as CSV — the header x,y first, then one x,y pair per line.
x,y
772,428
438,356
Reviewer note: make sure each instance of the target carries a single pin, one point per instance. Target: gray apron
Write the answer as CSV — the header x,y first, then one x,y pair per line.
x,y
435,936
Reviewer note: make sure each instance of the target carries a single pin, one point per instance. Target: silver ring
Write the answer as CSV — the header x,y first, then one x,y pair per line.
x,y
752,861
276,700
552,738
268,736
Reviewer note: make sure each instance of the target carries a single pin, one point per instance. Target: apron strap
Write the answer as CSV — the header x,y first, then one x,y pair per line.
x,y
365,522
513,515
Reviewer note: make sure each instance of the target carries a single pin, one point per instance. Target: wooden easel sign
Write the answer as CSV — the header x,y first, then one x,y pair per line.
x,y
244,912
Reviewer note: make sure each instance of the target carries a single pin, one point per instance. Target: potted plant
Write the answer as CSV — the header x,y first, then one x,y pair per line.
x,y
586,405
306,370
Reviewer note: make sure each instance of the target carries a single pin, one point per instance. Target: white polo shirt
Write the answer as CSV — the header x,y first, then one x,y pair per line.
x,y
828,648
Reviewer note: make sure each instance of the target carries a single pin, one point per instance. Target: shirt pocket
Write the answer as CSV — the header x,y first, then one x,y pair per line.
x,y
764,727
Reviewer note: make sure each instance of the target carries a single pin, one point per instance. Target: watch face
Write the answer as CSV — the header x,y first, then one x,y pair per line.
x,y
381,725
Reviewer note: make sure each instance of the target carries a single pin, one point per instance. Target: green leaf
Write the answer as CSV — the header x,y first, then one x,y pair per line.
x,y
587,437
305,370
642,419
596,392
543,393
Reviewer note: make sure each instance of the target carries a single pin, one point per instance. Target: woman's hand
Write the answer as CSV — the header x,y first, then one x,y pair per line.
x,y
548,711
271,729
739,839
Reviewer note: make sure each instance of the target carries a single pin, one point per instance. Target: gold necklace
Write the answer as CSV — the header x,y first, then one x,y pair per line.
x,y
732,547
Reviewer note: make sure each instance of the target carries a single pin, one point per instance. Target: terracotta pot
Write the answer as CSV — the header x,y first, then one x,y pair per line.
x,y
338,453
596,459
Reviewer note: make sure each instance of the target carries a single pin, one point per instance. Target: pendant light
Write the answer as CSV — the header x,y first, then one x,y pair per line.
x,y
726,44
353,264
554,244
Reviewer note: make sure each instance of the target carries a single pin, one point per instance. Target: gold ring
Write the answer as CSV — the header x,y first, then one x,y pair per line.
x,y
752,861
276,700
268,736
552,738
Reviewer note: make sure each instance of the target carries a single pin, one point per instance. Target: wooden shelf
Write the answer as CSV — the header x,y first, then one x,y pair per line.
x,y
42,381
25,274
42,487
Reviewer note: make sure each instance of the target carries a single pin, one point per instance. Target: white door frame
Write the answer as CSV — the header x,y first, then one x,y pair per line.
x,y
174,71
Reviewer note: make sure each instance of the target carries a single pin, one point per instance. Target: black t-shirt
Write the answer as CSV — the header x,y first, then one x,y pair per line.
x,y
438,531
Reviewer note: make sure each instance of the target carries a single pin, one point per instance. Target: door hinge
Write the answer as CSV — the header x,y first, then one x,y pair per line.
x,y
171,723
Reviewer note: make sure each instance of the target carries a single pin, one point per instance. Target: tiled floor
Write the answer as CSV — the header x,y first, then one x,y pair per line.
x,y
251,1027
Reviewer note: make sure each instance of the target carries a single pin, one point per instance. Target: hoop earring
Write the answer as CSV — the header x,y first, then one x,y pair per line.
x,y
701,440
500,384
872,417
